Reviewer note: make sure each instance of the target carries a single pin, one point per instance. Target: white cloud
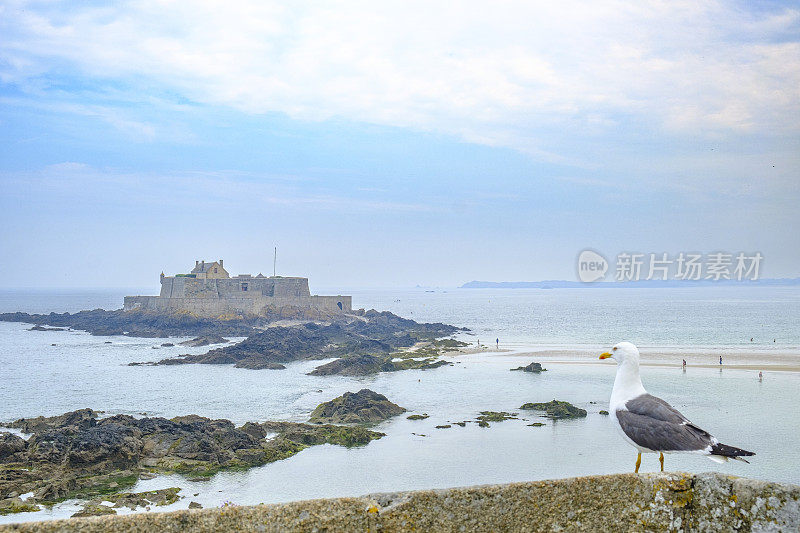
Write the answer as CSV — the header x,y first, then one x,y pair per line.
x,y
493,73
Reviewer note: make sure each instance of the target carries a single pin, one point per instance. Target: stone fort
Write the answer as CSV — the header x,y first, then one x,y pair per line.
x,y
209,291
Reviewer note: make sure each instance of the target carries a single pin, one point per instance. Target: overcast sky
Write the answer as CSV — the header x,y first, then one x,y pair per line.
x,y
392,143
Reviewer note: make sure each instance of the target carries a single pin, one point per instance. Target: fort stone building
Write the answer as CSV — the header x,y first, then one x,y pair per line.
x,y
209,291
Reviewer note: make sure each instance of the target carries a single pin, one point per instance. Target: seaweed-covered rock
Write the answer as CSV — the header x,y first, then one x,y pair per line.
x,y
132,500
16,505
557,410
256,363
362,407
313,434
360,365
76,455
423,416
94,509
494,416
533,367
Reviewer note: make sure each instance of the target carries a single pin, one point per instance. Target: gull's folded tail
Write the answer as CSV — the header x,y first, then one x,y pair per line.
x,y
732,452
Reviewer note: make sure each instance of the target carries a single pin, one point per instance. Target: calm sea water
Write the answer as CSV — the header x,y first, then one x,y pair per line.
x,y
83,371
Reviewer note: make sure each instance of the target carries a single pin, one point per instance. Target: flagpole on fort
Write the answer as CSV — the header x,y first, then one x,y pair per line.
x,y
274,261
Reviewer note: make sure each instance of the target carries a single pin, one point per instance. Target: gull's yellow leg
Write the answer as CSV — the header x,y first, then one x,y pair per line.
x,y
638,463
661,458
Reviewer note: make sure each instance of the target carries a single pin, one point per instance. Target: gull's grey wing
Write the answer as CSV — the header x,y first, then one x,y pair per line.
x,y
653,407
652,423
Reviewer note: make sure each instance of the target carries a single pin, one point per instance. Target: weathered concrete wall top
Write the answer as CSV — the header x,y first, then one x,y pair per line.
x,y
622,502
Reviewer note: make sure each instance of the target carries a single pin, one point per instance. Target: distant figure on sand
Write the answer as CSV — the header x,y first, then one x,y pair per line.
x,y
720,360
760,376
684,364
498,342
751,339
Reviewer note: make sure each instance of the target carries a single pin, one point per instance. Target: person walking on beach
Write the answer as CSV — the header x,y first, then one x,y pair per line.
x,y
498,342
760,376
720,360
684,364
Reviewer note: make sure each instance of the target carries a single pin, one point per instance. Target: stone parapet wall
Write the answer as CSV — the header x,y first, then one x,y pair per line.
x,y
247,304
622,502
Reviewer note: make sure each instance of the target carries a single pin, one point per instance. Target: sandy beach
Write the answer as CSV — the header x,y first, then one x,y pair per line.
x,y
740,359
768,360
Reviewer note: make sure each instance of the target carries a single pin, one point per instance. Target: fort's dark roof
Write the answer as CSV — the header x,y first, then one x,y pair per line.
x,y
205,267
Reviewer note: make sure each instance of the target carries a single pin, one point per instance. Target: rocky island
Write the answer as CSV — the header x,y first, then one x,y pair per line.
x,y
556,410
362,407
366,344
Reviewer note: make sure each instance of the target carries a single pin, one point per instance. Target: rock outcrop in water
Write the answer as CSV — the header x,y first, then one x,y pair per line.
x,y
204,340
362,407
556,410
78,455
533,367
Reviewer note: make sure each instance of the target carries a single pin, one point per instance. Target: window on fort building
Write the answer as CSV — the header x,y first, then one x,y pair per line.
x,y
244,287
215,270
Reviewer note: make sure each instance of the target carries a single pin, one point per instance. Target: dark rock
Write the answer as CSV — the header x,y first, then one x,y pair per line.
x,y
118,444
444,426
204,340
140,323
167,345
362,407
80,419
195,505
43,328
423,416
603,412
556,410
10,445
533,367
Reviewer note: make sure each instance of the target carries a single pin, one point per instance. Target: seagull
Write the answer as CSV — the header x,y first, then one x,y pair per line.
x,y
650,424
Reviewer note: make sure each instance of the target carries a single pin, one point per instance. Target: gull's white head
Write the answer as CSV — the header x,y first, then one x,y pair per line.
x,y
623,352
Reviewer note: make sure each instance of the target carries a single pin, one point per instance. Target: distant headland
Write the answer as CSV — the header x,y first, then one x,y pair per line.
x,y
661,284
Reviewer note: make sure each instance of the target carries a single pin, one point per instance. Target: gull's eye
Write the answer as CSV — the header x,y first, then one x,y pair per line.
x,y
614,348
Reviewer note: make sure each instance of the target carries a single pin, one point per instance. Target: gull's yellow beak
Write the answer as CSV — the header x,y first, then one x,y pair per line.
x,y
605,355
